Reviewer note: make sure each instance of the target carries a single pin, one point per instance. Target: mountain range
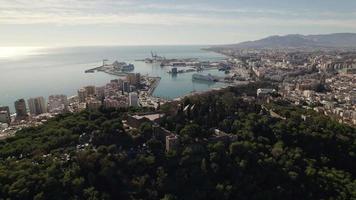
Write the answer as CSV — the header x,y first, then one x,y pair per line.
x,y
336,40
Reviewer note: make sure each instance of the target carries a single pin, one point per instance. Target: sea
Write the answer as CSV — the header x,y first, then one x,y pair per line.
x,y
48,71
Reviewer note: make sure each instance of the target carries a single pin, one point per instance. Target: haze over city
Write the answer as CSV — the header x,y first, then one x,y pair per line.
x,y
156,22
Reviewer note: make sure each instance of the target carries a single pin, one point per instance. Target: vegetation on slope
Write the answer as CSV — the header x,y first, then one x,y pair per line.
x,y
89,155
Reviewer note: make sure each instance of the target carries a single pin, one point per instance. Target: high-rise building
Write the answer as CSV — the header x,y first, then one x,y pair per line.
x,y
125,86
130,78
121,82
21,110
37,105
133,99
134,79
100,93
138,79
82,95
5,117
6,110
31,106
90,90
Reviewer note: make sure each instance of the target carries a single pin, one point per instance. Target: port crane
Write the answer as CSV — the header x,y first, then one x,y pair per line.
x,y
156,57
104,62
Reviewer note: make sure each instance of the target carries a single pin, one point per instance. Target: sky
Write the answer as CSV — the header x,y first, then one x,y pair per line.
x,y
47,23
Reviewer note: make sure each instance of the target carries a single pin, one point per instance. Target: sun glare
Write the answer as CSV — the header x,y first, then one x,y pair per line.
x,y
18,52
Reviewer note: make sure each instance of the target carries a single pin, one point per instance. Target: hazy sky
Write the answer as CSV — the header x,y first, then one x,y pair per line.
x,y
147,22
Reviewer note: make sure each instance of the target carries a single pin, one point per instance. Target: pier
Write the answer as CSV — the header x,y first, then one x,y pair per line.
x,y
93,70
154,85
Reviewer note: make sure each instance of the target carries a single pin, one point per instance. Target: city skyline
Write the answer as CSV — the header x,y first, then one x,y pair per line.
x,y
53,23
178,99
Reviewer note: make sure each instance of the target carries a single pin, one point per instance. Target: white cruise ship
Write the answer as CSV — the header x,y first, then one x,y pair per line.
x,y
202,77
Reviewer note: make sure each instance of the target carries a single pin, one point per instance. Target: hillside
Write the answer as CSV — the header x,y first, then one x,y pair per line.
x,y
91,155
336,40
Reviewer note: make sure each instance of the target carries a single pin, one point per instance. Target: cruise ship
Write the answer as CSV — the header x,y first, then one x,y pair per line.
x,y
122,66
127,67
202,77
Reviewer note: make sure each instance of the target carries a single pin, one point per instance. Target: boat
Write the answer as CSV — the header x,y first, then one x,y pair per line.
x,y
128,67
202,77
190,70
178,64
89,71
122,66
224,68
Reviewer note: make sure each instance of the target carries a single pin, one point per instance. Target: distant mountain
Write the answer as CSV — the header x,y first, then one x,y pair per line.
x,y
336,40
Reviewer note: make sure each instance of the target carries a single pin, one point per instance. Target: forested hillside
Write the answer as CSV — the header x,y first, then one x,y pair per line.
x,y
90,155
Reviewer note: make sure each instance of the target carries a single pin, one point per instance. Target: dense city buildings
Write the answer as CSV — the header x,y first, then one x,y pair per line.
x,y
93,104
111,103
336,96
90,90
57,103
322,80
118,93
265,91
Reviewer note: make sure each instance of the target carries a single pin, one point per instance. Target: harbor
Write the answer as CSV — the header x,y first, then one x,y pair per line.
x,y
198,70
116,68
123,71
125,83
62,71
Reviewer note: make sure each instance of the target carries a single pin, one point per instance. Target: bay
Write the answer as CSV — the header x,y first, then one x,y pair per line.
x,y
61,70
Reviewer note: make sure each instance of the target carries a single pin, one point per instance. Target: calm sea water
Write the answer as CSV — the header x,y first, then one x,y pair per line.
x,y
61,71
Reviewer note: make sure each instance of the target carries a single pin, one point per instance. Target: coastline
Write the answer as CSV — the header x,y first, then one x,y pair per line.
x,y
154,85
194,93
62,70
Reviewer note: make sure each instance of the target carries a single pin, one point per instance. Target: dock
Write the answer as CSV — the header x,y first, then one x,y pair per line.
x,y
93,70
154,85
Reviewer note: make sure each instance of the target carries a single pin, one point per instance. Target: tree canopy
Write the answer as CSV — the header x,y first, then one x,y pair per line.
x,y
89,155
